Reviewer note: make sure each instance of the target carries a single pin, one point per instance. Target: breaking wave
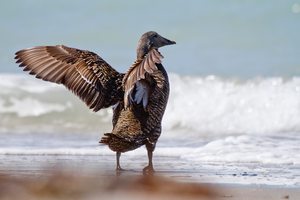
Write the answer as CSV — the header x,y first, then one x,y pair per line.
x,y
197,105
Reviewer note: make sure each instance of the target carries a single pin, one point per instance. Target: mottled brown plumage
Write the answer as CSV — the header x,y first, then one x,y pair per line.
x,y
84,73
139,97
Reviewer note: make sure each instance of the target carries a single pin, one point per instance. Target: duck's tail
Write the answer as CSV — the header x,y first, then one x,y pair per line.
x,y
119,144
106,138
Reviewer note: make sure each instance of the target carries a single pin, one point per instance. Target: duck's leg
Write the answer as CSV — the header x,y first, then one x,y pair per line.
x,y
118,155
150,148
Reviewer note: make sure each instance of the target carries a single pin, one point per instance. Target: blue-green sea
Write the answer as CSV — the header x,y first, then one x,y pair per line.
x,y
225,38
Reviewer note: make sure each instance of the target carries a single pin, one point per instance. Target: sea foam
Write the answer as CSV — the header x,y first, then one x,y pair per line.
x,y
243,149
197,106
211,105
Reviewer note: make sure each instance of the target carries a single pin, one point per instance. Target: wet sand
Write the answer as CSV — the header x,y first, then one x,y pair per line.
x,y
93,177
64,186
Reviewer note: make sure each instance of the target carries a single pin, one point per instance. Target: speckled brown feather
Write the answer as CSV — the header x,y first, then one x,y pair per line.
x,y
83,72
138,71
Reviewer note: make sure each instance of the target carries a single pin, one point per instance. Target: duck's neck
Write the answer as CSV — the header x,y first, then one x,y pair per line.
x,y
141,52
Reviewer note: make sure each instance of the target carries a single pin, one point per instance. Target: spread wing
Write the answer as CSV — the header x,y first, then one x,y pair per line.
x,y
137,82
84,73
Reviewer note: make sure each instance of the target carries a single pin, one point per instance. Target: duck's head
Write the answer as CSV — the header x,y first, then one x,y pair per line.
x,y
151,40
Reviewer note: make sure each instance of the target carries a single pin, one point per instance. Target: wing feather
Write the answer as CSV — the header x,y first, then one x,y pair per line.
x,y
84,73
136,73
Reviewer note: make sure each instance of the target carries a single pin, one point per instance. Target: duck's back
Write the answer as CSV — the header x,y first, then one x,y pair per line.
x,y
135,125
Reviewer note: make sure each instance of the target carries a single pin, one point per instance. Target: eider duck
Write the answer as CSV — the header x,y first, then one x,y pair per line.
x,y
139,97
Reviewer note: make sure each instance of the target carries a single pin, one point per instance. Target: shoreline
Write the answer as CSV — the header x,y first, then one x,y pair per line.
x,y
176,168
89,177
60,184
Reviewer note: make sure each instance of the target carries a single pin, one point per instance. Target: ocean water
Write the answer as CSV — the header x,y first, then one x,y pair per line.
x,y
248,130
234,109
229,38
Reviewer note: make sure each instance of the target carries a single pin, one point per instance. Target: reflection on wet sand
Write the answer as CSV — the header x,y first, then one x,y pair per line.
x,y
64,186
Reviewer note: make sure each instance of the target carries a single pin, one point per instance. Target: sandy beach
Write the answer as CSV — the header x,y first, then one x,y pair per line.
x,y
93,177
63,186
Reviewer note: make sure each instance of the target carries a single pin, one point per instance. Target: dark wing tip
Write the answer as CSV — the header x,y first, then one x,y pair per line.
x,y
17,56
22,65
18,52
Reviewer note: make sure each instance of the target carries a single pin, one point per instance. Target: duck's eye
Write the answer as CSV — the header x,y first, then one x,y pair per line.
x,y
155,36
